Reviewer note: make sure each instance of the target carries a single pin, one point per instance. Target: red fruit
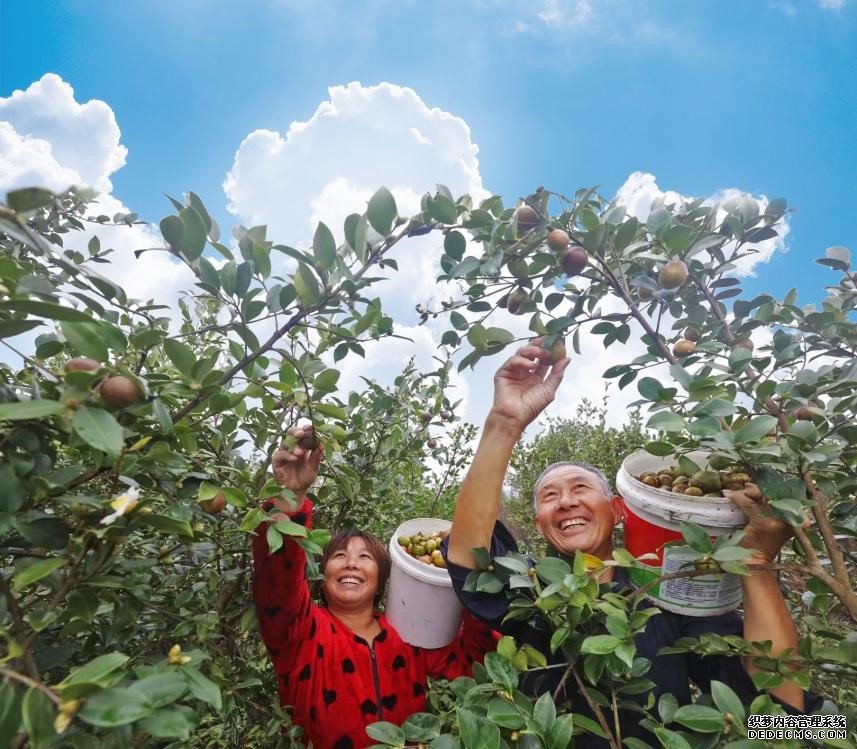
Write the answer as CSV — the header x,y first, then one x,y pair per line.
x,y
81,364
528,218
744,343
691,334
573,261
431,444
803,413
120,391
215,505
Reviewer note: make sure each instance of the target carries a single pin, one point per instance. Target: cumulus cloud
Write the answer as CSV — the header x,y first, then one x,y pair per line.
x,y
83,138
641,189
26,161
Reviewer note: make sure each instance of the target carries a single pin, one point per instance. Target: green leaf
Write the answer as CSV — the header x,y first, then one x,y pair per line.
x,y
46,309
840,254
387,733
421,727
98,428
35,409
28,199
700,718
727,701
86,338
203,688
306,286
588,724
115,707
37,713
9,328
544,712
99,672
10,713
671,739
172,723
162,688
35,572
552,569
324,247
172,228
501,671
697,537
381,211
193,234
755,429
600,644
667,705
666,421
181,356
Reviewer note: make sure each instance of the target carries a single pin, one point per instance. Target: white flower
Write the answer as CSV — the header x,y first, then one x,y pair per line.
x,y
123,504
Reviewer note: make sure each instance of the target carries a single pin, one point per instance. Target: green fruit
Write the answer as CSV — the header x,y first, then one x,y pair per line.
x,y
673,274
693,491
558,352
708,481
418,550
404,540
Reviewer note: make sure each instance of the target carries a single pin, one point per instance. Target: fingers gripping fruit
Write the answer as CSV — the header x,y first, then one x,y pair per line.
x,y
425,547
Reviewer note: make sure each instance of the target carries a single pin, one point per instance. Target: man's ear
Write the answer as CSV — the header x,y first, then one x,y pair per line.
x,y
618,507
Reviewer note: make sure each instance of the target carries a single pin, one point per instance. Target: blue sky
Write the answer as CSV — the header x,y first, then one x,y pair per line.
x,y
759,96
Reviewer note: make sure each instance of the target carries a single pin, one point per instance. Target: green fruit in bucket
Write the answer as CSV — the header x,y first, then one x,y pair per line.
x,y
693,491
418,550
708,481
404,540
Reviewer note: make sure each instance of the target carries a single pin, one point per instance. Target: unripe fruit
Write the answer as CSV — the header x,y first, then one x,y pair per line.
x,y
684,347
81,364
445,415
308,441
644,293
558,351
693,491
431,444
527,218
425,416
673,274
573,261
119,391
516,299
215,505
691,334
558,240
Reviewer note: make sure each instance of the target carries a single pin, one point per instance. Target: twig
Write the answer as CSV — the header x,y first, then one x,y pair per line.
x,y
35,683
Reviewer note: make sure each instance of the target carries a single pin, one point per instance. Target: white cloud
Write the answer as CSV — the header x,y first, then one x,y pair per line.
x,y
83,138
26,161
566,14
832,4
640,190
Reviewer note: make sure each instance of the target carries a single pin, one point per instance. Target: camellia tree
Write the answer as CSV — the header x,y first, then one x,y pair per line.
x,y
135,449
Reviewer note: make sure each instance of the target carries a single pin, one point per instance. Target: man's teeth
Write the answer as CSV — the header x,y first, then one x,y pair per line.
x,y
569,523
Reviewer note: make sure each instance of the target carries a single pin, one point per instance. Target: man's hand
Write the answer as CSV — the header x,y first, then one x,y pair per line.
x,y
765,534
296,468
526,384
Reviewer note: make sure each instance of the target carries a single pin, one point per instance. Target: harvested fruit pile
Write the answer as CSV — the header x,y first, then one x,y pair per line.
x,y
708,483
425,547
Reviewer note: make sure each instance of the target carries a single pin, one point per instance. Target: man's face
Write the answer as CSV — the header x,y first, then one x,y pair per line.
x,y
575,513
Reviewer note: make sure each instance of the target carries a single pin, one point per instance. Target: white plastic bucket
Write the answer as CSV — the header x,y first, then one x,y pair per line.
x,y
653,518
421,604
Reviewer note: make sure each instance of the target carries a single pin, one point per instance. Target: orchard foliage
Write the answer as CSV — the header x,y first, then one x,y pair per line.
x,y
124,607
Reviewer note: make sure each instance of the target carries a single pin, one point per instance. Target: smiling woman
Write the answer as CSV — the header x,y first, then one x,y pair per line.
x,y
342,666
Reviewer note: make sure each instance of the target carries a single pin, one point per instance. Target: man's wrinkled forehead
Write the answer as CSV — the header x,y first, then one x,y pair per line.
x,y
563,475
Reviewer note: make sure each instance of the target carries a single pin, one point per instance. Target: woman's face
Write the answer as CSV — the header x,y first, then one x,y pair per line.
x,y
351,577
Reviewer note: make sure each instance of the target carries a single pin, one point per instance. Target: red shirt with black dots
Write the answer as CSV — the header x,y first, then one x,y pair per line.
x,y
335,682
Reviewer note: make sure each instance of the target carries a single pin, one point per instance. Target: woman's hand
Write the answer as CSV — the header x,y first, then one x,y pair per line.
x,y
765,534
296,468
526,383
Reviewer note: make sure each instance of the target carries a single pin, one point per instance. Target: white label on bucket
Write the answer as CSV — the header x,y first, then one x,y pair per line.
x,y
703,592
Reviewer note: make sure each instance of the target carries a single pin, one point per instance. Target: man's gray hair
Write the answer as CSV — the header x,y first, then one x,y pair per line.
x,y
597,472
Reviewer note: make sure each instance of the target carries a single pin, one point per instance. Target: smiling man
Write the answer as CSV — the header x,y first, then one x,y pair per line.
x,y
575,509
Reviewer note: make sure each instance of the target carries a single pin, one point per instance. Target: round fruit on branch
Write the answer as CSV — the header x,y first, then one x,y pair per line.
x,y
683,347
673,274
558,240
691,334
215,505
119,391
81,364
309,440
527,217
573,261
516,299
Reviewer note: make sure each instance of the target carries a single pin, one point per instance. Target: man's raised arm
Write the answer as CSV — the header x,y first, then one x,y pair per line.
x,y
523,387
